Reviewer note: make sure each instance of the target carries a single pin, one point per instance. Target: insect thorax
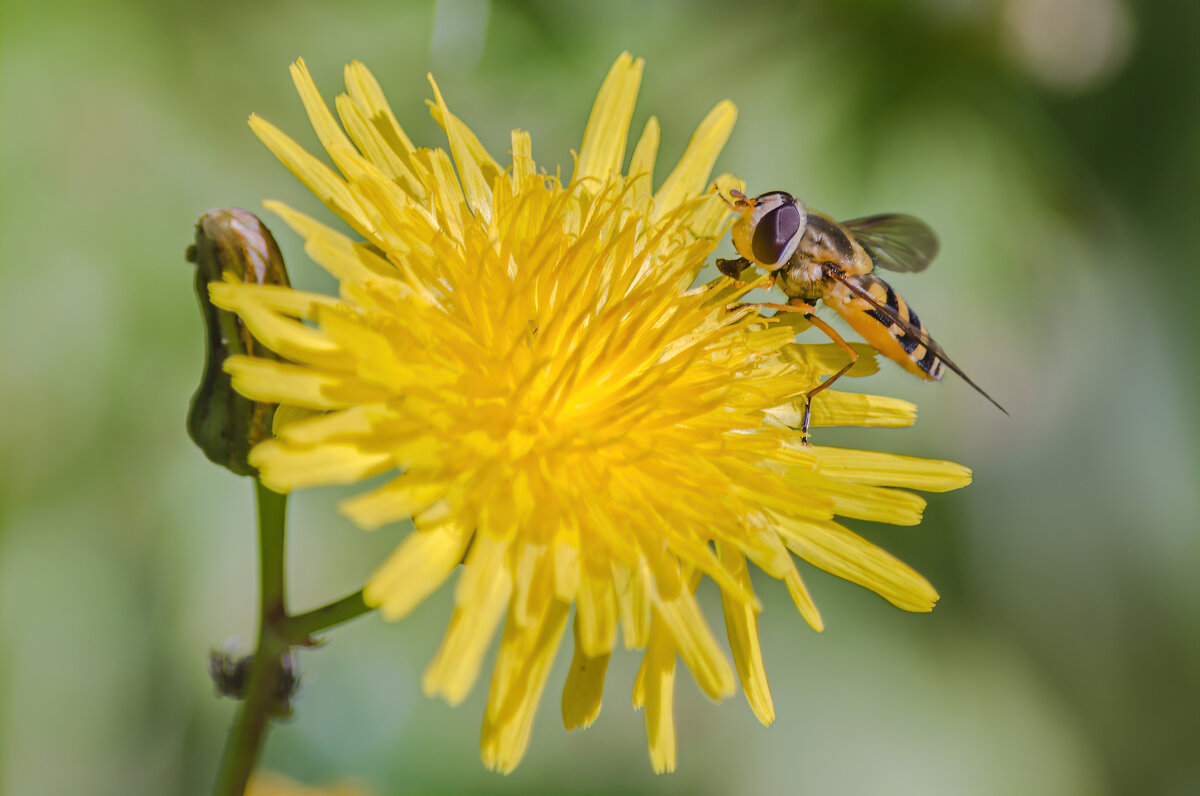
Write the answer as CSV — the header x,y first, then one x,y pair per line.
x,y
825,242
801,278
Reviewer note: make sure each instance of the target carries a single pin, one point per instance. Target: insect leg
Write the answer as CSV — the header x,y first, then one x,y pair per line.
x,y
733,268
809,315
806,309
832,334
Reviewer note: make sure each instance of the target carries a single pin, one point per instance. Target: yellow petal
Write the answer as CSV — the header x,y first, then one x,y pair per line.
x,y
655,690
397,500
445,193
764,549
710,216
345,425
285,336
349,262
523,167
287,416
365,92
801,598
375,146
604,138
488,166
741,625
596,618
415,570
828,358
641,163
373,352
681,617
315,175
705,217
276,298
381,199
834,408
784,568
841,552
522,667
326,128
792,496
889,469
635,606
566,570
584,688
863,502
303,225
283,468
278,382
477,190
481,598
690,175
529,572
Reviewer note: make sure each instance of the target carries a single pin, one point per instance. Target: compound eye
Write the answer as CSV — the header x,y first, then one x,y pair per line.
x,y
774,231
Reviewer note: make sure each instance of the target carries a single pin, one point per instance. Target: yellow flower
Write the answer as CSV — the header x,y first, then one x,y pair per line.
x,y
558,407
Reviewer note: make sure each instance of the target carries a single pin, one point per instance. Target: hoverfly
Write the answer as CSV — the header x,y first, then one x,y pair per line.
x,y
812,257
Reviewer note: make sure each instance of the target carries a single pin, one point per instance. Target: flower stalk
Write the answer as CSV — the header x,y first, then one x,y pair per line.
x,y
235,246
266,667
301,627
269,683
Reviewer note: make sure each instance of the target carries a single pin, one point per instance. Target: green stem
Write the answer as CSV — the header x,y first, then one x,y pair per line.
x,y
299,628
250,726
272,522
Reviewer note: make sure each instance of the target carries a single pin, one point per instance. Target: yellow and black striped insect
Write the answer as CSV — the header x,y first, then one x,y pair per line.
x,y
812,257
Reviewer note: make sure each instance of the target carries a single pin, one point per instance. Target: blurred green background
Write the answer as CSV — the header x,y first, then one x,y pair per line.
x,y
1052,143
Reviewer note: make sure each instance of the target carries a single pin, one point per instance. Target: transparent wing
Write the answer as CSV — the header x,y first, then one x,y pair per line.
x,y
920,334
895,241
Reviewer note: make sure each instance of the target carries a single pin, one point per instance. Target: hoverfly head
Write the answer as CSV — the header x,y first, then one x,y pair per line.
x,y
770,227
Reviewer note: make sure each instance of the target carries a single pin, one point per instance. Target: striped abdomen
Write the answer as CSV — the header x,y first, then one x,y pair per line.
x,y
882,332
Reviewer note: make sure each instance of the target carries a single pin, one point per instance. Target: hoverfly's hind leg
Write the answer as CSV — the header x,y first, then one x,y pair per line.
x,y
832,334
809,312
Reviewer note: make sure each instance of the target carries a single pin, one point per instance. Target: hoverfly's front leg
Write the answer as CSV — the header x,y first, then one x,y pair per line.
x,y
733,268
809,312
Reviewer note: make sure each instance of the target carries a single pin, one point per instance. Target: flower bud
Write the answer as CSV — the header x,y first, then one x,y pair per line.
x,y
223,423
